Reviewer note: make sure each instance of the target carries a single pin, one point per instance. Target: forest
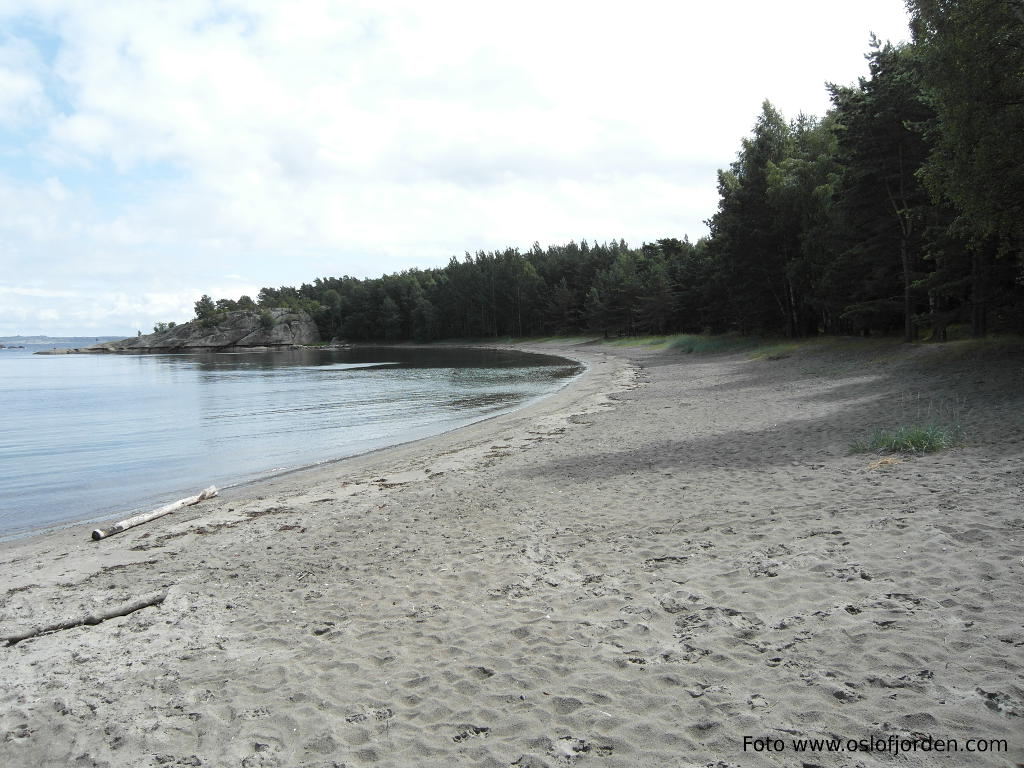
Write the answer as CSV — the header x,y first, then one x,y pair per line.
x,y
898,212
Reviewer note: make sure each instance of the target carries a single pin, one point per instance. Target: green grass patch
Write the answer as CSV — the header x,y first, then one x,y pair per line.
x,y
650,342
911,439
697,343
777,351
700,344
536,339
759,348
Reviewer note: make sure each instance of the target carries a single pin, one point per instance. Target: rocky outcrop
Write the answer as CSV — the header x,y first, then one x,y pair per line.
x,y
242,329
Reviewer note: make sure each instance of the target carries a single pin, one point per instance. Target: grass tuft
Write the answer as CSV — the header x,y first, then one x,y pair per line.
x,y
700,344
778,351
651,341
911,439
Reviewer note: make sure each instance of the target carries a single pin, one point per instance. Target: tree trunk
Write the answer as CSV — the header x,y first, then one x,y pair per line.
x,y
979,308
908,307
145,601
145,517
793,320
906,226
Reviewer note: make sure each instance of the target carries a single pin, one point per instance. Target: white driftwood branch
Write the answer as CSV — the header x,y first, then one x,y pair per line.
x,y
153,598
145,517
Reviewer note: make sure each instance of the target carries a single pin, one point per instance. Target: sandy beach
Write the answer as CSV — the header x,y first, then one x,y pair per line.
x,y
667,563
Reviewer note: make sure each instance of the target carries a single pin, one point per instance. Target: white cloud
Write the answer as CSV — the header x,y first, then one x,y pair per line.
x,y
44,293
22,95
290,140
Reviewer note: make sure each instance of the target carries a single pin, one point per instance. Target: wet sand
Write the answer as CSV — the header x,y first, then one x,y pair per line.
x,y
672,554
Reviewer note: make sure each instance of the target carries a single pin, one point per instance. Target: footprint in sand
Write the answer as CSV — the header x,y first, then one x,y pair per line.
x,y
567,750
1001,702
470,731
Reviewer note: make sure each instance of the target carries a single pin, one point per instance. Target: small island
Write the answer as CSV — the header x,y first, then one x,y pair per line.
x,y
245,329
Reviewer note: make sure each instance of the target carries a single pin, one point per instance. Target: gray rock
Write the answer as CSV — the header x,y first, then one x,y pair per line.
x,y
242,329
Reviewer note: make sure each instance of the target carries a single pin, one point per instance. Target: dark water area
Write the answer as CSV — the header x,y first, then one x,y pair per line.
x,y
91,436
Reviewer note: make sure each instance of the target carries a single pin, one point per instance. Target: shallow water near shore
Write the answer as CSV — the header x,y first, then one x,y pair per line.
x,y
93,436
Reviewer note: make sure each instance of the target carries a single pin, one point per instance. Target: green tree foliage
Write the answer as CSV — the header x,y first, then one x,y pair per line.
x,y
800,194
205,308
595,312
747,238
970,56
882,148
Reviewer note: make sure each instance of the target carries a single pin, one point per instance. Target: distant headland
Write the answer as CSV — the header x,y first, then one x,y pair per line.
x,y
224,332
13,342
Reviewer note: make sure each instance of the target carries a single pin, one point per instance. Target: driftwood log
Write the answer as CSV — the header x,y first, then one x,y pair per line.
x,y
145,601
145,517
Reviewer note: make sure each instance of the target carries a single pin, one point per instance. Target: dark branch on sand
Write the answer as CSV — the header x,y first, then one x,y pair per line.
x,y
145,601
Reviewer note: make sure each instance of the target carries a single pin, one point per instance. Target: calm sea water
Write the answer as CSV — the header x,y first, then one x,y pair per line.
x,y
91,436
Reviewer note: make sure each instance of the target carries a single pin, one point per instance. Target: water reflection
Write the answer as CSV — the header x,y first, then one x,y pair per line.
x,y
88,435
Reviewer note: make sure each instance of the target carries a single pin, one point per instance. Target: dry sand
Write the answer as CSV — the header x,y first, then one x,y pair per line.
x,y
671,554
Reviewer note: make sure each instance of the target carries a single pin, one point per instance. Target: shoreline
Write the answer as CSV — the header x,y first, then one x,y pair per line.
x,y
272,473
672,554
78,531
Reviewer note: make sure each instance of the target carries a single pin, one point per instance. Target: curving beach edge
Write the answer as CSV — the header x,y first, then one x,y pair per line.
x,y
666,563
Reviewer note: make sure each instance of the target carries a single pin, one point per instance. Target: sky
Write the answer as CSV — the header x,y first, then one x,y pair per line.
x,y
152,151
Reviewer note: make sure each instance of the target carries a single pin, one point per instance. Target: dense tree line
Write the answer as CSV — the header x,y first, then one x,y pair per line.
x,y
899,211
